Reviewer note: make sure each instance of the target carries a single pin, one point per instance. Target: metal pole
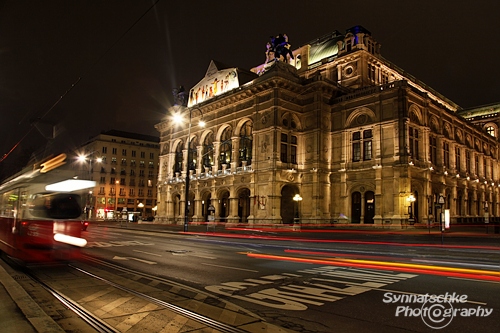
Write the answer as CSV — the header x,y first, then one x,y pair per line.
x,y
441,225
186,207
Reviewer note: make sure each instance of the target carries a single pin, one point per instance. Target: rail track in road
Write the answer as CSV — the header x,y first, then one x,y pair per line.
x,y
110,298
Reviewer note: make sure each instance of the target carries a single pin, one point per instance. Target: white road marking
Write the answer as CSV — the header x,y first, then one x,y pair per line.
x,y
202,256
239,269
152,254
136,259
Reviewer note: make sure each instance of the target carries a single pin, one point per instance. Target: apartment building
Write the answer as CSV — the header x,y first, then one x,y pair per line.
x,y
125,167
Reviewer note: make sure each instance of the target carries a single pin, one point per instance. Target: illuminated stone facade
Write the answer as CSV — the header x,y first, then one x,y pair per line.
x,y
354,135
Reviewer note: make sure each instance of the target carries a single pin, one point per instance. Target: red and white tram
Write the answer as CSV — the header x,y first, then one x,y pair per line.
x,y
40,213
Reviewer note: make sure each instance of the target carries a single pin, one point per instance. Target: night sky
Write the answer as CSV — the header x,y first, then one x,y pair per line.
x,y
90,66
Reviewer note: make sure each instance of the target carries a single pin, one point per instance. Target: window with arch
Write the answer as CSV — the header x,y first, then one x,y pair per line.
x,y
192,154
433,150
245,153
178,158
225,148
208,151
485,166
414,143
457,159
467,161
490,130
446,154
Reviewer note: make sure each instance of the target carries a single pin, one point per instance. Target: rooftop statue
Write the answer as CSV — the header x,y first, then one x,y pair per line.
x,y
180,96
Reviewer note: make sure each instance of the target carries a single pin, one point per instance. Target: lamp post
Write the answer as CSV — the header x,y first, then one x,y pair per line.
x,y
441,225
411,199
82,158
486,215
297,198
116,199
141,206
177,119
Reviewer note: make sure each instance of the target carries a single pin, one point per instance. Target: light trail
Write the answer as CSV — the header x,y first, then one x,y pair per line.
x,y
309,240
381,265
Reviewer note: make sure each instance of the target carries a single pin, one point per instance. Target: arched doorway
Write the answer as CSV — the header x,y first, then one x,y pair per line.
x,y
369,207
224,206
190,206
244,205
287,214
356,207
205,202
177,208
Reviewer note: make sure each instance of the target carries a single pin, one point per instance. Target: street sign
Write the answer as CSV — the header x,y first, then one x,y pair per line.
x,y
211,208
441,200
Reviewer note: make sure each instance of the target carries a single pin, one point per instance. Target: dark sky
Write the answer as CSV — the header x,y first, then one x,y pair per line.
x,y
124,59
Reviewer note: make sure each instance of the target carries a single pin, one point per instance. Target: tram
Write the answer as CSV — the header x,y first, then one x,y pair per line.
x,y
41,213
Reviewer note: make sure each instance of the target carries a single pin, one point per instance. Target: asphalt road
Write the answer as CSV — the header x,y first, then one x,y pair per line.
x,y
352,282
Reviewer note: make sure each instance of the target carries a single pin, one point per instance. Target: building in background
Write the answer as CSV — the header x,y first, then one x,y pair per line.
x,y
331,133
125,167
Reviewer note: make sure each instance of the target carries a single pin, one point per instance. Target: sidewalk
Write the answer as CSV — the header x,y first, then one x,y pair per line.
x,y
18,311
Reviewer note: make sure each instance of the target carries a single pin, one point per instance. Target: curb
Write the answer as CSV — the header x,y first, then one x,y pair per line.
x,y
34,315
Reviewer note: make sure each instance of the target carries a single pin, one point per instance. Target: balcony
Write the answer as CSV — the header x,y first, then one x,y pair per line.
x,y
178,178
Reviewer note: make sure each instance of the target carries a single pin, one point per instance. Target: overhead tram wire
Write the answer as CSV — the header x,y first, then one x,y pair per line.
x,y
79,79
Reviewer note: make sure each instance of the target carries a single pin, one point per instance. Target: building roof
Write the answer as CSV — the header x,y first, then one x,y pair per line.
x,y
480,111
129,135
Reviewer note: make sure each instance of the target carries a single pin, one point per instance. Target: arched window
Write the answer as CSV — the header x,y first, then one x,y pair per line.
x,y
414,143
225,147
178,158
246,143
490,130
192,154
208,151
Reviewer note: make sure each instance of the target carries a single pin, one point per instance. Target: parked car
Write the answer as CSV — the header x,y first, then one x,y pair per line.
x,y
85,224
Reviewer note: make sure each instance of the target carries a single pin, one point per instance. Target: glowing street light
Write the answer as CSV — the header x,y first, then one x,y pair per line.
x,y
411,199
141,206
83,158
297,198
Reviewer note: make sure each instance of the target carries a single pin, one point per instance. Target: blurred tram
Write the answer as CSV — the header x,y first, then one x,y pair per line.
x,y
41,213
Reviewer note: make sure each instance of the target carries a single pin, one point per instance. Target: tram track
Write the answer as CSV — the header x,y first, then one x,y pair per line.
x,y
108,301
86,316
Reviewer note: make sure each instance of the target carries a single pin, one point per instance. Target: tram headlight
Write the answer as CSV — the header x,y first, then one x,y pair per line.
x,y
76,241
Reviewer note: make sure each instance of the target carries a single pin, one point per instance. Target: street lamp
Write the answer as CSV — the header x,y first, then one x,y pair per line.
x,y
116,199
178,119
297,198
141,206
82,158
411,199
